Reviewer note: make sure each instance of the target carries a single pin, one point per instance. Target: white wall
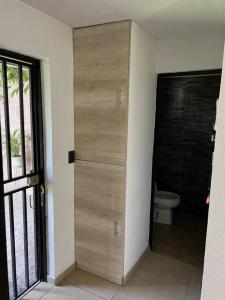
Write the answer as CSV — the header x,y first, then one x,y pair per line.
x,y
141,121
28,31
214,267
199,53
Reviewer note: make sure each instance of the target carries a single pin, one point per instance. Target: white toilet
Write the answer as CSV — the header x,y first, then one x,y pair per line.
x,y
165,202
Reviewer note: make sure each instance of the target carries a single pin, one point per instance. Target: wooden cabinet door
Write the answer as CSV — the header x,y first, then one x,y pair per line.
x,y
99,225
101,71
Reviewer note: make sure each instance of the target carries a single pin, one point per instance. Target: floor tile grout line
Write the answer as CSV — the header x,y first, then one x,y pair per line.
x,y
46,293
188,283
83,289
116,292
169,278
120,286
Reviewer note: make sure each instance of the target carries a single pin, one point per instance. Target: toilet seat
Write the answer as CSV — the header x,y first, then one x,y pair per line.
x,y
165,200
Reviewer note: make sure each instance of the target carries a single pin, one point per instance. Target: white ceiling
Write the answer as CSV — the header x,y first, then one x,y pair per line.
x,y
161,18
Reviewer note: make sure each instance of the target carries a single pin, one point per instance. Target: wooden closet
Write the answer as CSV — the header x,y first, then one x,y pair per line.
x,y
101,67
101,85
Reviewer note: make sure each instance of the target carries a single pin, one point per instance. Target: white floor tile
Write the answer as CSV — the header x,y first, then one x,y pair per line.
x,y
69,292
151,287
168,267
39,291
158,278
194,288
93,284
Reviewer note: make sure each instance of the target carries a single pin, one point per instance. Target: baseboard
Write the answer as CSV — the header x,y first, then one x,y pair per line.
x,y
136,265
109,277
73,267
63,275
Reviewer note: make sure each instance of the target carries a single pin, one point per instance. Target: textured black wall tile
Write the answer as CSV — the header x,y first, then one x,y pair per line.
x,y
186,110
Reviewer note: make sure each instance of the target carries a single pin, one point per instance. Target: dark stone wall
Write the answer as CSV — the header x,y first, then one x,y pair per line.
x,y
185,115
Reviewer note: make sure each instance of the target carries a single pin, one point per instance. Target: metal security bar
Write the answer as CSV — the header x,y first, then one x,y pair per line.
x,y
22,172
6,110
22,118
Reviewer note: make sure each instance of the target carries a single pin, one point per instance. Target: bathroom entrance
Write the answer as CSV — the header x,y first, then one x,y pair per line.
x,y
182,164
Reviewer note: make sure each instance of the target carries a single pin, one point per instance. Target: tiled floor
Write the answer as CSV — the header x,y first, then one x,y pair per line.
x,y
158,278
184,240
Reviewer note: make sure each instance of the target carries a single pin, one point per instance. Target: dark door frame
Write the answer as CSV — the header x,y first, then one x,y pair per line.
x,y
168,75
4,285
37,123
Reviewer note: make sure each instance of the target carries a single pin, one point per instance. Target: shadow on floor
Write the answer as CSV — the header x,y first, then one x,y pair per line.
x,y
184,240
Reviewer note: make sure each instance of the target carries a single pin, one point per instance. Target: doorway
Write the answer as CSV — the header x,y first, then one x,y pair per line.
x,y
182,163
22,204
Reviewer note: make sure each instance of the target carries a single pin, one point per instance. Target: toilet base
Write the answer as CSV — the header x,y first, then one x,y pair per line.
x,y
163,216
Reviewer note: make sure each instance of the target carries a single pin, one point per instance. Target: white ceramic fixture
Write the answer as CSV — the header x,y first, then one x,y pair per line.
x,y
165,202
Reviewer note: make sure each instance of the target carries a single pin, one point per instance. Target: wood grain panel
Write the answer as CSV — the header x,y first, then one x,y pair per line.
x,y
200,114
99,203
101,64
